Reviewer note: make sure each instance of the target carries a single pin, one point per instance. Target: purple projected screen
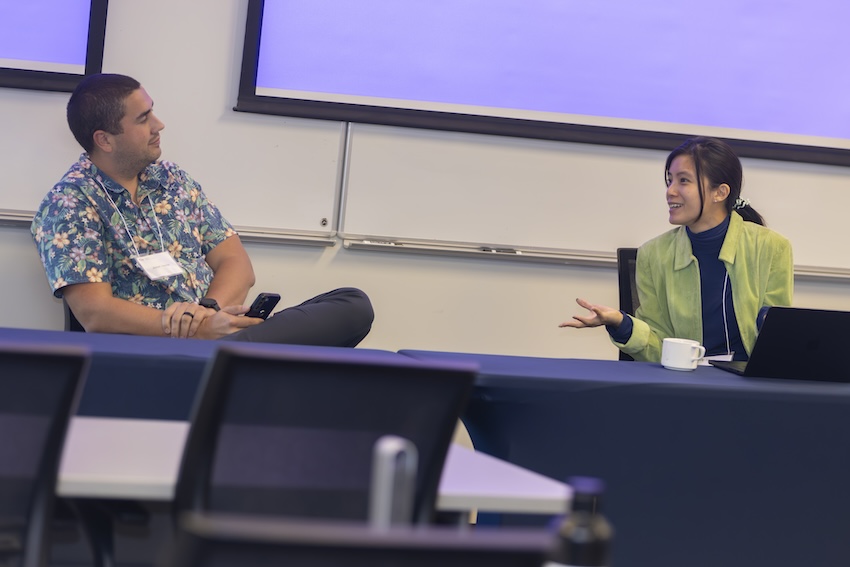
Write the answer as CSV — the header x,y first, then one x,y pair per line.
x,y
773,67
44,35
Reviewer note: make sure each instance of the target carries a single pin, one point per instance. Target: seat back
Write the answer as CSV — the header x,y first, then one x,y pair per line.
x,y
239,541
39,391
288,434
626,269
71,322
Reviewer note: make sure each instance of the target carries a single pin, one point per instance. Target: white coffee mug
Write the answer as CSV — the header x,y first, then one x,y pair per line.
x,y
681,354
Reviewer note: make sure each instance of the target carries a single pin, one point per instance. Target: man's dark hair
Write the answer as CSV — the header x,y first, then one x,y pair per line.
x,y
98,104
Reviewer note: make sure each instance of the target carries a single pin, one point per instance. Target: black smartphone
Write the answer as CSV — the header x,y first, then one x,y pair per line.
x,y
263,305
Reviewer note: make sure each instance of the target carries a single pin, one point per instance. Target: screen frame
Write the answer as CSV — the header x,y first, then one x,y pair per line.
x,y
249,101
58,81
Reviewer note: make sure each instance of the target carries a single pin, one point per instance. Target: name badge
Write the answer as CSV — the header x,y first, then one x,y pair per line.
x,y
159,266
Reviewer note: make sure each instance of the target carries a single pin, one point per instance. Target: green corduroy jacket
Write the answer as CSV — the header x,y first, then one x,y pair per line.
x,y
760,267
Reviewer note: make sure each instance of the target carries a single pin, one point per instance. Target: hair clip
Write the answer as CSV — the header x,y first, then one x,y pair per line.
x,y
741,203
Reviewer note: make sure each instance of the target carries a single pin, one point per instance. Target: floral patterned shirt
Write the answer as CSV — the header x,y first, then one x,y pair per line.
x,y
88,229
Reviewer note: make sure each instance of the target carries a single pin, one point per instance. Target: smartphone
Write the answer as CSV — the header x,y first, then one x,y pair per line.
x,y
263,305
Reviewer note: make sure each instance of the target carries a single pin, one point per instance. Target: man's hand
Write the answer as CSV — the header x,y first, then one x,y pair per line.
x,y
190,320
182,319
227,321
599,315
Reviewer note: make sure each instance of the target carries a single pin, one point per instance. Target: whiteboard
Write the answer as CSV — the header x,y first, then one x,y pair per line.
x,y
275,175
519,193
482,190
806,203
270,176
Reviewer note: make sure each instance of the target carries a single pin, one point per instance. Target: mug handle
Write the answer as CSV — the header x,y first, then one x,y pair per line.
x,y
701,350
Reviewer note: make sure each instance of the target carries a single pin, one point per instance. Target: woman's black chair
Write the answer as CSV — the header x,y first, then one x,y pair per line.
x,y
291,433
230,541
626,268
39,390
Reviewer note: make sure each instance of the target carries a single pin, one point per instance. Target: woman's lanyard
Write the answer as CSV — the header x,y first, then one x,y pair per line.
x,y
157,266
725,316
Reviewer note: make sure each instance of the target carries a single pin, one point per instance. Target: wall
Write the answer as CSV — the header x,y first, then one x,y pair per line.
x,y
187,55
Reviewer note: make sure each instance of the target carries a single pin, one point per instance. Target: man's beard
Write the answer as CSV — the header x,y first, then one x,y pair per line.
x,y
134,165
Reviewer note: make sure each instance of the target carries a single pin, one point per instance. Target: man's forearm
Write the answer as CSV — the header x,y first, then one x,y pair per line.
x,y
115,315
232,282
234,274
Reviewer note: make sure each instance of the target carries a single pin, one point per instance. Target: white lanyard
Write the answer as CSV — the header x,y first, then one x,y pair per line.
x,y
725,320
127,227
159,265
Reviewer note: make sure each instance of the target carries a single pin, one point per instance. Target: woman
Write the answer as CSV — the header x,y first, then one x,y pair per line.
x,y
708,279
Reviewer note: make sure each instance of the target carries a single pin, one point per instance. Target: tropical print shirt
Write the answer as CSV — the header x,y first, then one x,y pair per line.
x,y
88,229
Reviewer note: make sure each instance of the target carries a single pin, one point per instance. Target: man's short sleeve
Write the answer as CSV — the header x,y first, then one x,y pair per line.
x,y
67,233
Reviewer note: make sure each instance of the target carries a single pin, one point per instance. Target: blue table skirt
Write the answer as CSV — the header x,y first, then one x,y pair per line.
x,y
703,468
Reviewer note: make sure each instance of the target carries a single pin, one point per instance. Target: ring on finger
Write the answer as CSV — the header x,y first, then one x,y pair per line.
x,y
189,314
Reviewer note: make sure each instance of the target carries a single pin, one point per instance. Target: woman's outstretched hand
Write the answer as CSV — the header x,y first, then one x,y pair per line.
x,y
599,315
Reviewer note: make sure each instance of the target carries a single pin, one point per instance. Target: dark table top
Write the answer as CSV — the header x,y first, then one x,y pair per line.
x,y
533,373
150,377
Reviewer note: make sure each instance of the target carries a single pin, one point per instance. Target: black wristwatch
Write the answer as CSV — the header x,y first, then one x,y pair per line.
x,y
210,303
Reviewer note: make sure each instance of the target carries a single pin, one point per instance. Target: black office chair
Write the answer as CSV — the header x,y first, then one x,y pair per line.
x,y
626,268
231,541
71,322
289,434
39,390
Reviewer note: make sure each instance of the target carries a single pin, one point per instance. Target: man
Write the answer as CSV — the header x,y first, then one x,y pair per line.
x,y
134,245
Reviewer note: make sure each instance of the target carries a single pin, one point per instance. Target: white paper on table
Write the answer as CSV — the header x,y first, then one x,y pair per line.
x,y
725,357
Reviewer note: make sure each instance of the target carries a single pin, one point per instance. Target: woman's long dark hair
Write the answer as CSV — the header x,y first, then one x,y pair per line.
x,y
716,160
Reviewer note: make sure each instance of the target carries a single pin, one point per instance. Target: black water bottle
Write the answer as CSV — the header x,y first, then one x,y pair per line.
x,y
584,536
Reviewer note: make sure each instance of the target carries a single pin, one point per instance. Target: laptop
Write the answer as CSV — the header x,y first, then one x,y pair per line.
x,y
798,344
